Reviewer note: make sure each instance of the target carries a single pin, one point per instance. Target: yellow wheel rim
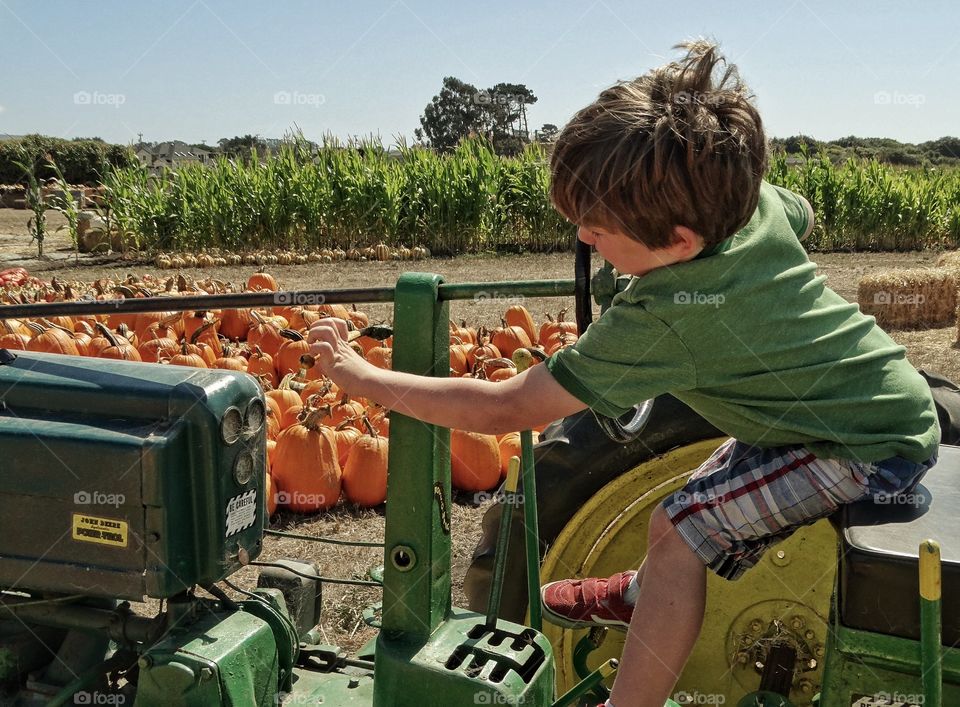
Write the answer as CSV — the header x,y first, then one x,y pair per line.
x,y
787,595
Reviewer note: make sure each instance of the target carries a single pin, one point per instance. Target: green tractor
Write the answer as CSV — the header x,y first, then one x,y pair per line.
x,y
122,481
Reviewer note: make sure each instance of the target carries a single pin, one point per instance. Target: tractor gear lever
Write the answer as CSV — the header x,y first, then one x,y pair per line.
x,y
613,427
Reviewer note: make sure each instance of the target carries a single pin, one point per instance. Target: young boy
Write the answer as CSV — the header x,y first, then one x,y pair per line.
x,y
663,176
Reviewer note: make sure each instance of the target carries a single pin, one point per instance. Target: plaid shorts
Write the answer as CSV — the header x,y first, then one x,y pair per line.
x,y
744,499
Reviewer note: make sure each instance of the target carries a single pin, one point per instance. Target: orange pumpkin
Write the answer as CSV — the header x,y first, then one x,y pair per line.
x,y
517,315
305,465
188,358
474,460
50,339
262,280
365,475
235,323
288,355
509,446
381,357
346,434
153,350
117,346
260,364
271,493
510,338
264,334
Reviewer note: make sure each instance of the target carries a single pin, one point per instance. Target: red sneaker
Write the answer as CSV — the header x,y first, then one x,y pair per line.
x,y
583,603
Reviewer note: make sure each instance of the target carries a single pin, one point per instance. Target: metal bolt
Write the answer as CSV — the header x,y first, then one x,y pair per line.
x,y
742,657
353,682
818,650
797,623
809,635
812,664
805,686
756,626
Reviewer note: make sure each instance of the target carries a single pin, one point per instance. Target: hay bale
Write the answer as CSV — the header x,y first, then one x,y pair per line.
x,y
910,299
950,260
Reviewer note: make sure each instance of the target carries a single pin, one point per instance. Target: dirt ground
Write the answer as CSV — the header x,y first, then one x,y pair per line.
x,y
343,606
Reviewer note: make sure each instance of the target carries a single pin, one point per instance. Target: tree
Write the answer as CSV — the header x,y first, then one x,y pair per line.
x,y
452,115
459,110
242,147
548,132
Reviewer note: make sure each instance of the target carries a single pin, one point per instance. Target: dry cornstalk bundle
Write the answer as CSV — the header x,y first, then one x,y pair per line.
x,y
910,299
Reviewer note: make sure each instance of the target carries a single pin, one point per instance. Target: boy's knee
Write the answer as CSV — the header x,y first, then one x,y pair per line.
x,y
661,528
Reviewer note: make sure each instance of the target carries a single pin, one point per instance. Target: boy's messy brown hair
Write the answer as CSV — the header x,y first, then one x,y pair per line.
x,y
675,146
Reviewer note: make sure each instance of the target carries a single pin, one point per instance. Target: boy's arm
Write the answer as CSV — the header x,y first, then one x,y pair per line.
x,y
527,400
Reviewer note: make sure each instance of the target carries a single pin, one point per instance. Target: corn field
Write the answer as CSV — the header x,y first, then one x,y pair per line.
x,y
472,200
358,195
869,206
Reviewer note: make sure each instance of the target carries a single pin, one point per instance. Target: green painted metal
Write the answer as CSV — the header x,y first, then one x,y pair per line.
x,y
464,663
428,652
531,526
136,481
863,664
503,541
587,684
224,658
930,624
416,588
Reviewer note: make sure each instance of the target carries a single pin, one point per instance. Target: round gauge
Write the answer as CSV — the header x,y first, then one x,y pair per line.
x,y
231,426
243,468
254,417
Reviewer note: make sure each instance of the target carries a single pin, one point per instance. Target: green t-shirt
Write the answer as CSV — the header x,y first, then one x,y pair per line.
x,y
748,336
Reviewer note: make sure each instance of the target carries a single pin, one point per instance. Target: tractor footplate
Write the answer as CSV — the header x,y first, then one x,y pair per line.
x,y
492,653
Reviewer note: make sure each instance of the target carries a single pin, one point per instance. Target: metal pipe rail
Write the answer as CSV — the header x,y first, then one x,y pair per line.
x,y
364,295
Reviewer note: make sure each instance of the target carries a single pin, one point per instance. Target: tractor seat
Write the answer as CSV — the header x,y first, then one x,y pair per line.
x,y
879,584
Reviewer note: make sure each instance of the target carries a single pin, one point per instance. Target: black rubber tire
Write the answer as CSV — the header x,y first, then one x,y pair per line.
x,y
574,460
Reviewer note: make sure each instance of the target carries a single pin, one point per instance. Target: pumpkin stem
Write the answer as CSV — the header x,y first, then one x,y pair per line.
x,y
370,428
105,332
200,329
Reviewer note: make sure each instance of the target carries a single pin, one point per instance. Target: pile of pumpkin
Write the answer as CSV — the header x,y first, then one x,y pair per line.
x,y
218,258
321,443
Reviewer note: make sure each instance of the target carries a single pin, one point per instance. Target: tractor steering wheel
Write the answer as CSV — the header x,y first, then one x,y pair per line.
x,y
629,426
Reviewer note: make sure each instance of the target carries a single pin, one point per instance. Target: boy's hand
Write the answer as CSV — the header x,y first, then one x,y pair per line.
x,y
330,346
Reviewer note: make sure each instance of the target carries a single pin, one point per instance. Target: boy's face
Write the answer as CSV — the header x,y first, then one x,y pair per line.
x,y
631,257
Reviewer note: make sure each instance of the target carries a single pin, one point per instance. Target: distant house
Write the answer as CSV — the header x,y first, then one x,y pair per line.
x,y
171,155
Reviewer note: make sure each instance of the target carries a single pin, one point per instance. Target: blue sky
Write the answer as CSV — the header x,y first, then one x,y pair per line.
x,y
205,69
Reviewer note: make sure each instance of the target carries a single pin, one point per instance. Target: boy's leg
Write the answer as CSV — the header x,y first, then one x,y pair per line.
x,y
667,619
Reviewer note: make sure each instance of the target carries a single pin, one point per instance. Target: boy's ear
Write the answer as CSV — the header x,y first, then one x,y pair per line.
x,y
686,243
